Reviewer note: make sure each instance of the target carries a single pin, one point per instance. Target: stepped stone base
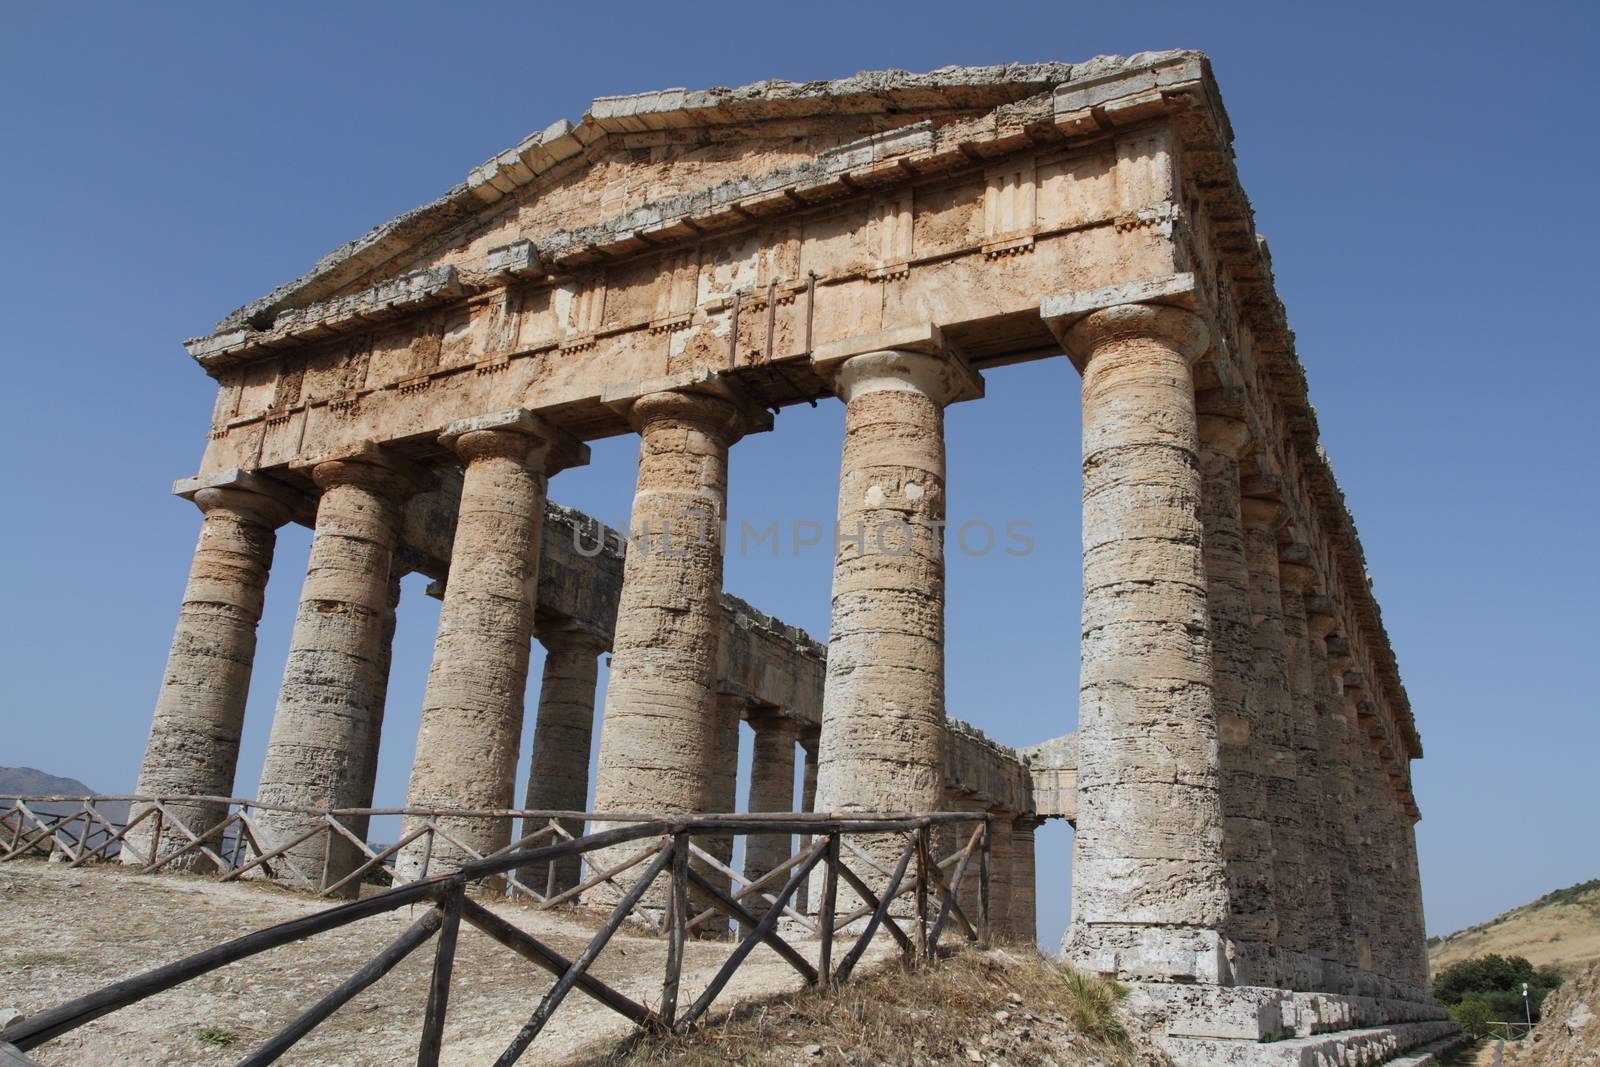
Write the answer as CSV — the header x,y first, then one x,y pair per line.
x,y
1345,1048
1432,1054
1253,1026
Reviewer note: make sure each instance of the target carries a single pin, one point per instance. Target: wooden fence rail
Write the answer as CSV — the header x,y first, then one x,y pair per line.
x,y
666,847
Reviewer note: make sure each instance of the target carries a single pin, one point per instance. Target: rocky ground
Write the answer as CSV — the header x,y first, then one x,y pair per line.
x,y
1568,1034
64,933
1004,1007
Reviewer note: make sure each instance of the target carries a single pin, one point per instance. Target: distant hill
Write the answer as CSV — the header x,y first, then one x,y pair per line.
x,y
1560,928
32,782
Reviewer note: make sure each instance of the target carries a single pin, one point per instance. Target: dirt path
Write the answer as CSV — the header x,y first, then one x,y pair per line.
x,y
64,933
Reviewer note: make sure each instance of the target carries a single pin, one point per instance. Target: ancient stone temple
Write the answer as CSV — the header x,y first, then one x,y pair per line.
x,y
680,266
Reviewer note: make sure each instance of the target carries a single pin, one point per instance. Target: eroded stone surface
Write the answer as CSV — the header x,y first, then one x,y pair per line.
x,y
679,261
322,752
1149,892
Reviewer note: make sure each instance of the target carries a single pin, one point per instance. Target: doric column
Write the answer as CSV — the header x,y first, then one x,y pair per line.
x,y
1297,579
771,789
883,741
1149,893
1269,704
809,739
1002,873
1347,742
1247,832
1382,865
471,730
558,775
193,747
808,788
1372,892
1021,916
1334,759
660,732
723,764
330,706
1417,959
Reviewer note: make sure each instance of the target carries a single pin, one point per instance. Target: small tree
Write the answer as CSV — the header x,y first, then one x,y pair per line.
x,y
1472,1015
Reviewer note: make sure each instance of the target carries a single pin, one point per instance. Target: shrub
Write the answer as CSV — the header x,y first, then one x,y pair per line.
x,y
1495,982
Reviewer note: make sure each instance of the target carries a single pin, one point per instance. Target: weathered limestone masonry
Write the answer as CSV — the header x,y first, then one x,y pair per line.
x,y
194,734
1242,756
323,748
558,778
685,265
471,730
1149,896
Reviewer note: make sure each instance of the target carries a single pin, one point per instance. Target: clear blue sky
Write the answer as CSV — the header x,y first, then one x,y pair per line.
x,y
1422,174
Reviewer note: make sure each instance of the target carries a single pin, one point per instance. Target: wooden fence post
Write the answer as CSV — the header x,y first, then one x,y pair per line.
x,y
924,872
677,924
444,958
983,884
830,898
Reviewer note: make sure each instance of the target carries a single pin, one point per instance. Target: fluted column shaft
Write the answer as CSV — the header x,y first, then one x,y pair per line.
x,y
808,803
1021,910
1321,930
883,739
1416,969
558,775
193,747
1247,831
724,772
1149,893
330,712
1270,714
1372,890
882,745
1334,746
471,731
1387,955
771,789
1002,873
660,729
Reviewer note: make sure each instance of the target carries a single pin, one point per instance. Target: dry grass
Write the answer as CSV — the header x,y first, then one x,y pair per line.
x,y
1009,1006
1560,928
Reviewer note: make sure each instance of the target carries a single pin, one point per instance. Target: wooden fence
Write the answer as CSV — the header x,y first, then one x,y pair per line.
x,y
661,846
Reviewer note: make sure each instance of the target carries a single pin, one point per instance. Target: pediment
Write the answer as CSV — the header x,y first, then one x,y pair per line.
x,y
654,168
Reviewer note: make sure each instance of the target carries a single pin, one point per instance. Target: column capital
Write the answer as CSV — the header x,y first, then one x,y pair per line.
x,y
776,720
1260,512
369,466
1320,626
571,636
1182,330
251,495
516,433
1220,414
713,415
1295,571
916,358
1221,433
644,400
